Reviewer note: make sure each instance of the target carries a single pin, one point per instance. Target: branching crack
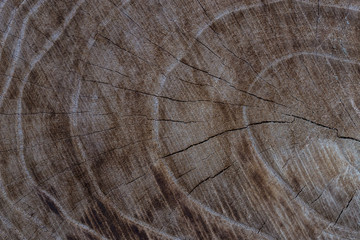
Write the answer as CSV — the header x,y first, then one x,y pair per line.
x,y
105,68
242,59
120,47
193,67
229,84
261,227
160,96
324,126
197,69
327,185
146,93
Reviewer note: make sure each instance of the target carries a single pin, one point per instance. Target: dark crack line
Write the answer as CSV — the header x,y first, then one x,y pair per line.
x,y
88,134
208,178
342,210
159,96
202,7
173,121
310,121
224,132
183,174
133,180
324,126
241,59
105,68
347,205
299,192
120,47
286,162
126,183
161,119
317,197
251,66
195,68
202,70
261,227
232,86
143,93
204,45
263,99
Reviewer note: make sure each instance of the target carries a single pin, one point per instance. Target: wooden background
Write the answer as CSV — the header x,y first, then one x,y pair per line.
x,y
179,119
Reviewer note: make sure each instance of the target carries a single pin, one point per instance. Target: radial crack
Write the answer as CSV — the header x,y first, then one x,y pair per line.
x,y
208,178
342,210
224,132
324,126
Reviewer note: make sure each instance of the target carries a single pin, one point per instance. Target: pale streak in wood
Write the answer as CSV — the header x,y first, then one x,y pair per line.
x,y
179,120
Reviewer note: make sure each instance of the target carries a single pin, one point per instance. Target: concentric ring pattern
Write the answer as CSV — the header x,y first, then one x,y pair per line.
x,y
179,119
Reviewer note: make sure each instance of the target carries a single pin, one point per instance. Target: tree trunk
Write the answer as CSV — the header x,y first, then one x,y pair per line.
x,y
157,119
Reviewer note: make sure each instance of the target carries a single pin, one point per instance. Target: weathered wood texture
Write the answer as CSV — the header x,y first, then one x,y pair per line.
x,y
204,119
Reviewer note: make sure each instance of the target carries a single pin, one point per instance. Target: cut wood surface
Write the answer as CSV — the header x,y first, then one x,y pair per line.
x,y
192,119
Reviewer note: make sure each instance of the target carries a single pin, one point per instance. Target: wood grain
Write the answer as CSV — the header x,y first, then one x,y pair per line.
x,y
201,119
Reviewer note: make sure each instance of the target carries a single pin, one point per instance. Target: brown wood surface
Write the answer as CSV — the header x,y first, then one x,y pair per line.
x,y
179,119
